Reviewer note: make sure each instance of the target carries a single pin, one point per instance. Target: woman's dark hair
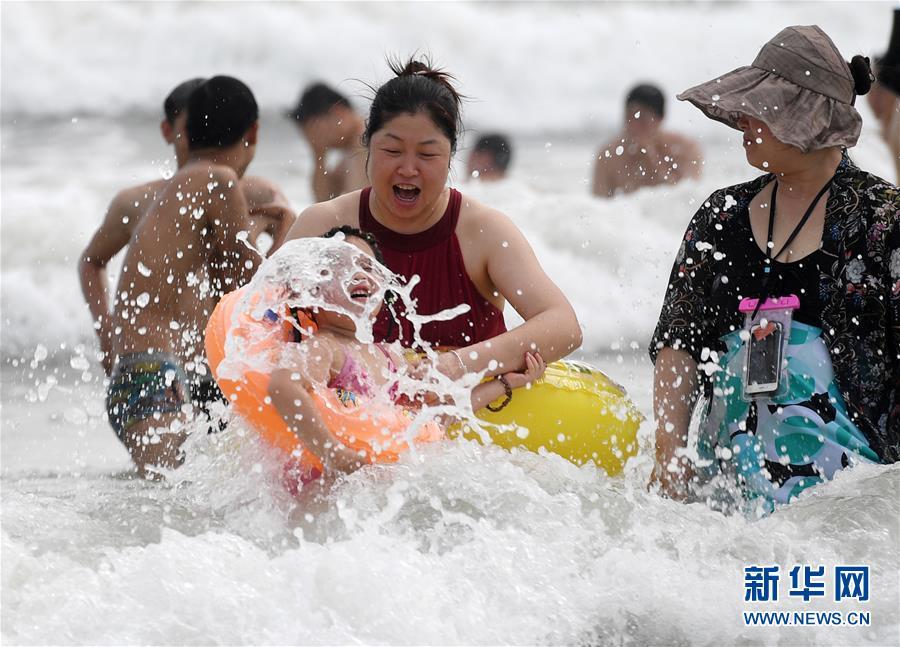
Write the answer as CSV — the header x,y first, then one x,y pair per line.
x,y
417,87
862,74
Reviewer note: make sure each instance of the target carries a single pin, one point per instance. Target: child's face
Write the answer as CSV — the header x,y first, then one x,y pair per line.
x,y
353,288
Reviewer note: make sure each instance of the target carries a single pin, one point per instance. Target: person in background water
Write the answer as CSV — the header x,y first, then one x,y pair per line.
x,y
187,250
644,154
267,204
466,255
329,123
490,158
884,98
814,226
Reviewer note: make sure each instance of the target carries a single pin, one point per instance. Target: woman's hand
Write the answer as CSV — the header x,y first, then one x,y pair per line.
x,y
448,363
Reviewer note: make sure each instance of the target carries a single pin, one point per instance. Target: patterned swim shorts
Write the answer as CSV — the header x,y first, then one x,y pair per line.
x,y
144,384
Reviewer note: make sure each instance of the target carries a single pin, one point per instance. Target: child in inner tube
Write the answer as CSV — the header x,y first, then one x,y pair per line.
x,y
331,354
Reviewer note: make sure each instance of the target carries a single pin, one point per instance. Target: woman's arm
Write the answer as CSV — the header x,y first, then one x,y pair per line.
x,y
684,329
550,328
675,384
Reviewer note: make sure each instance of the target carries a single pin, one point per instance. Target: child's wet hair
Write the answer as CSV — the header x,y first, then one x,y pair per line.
x,y
417,87
365,236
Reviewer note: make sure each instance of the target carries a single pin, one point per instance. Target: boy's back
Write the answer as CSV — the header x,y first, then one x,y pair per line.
x,y
184,254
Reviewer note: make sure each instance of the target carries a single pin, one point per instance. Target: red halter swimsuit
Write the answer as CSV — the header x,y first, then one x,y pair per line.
x,y
435,255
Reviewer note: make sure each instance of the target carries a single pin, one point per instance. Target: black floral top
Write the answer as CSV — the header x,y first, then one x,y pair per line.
x,y
858,295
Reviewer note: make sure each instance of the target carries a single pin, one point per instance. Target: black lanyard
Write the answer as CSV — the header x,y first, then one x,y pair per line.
x,y
767,268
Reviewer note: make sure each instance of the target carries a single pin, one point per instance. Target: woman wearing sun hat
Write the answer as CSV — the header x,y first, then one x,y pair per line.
x,y
816,237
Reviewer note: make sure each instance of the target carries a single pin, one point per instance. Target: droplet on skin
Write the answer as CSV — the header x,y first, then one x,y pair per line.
x,y
143,269
765,165
620,149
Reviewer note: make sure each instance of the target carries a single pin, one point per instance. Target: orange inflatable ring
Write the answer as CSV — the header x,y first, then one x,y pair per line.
x,y
377,432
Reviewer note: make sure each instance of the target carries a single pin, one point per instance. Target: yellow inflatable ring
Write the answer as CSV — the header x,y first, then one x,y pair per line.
x,y
575,411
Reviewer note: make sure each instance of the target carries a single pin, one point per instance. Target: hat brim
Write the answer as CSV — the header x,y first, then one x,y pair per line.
x,y
796,116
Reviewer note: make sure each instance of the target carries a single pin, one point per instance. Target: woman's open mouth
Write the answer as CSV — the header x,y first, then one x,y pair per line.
x,y
406,192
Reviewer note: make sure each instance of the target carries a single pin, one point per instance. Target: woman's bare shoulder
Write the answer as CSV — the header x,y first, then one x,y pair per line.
x,y
481,222
318,218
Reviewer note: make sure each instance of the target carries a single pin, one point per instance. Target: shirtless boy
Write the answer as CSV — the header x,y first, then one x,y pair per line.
x,y
267,204
644,154
328,122
186,251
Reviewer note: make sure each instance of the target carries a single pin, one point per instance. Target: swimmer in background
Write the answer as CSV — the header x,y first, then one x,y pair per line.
x,y
187,250
269,208
490,158
884,97
644,154
332,356
328,122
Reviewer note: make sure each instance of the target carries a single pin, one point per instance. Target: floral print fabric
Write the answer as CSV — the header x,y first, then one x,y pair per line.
x,y
858,293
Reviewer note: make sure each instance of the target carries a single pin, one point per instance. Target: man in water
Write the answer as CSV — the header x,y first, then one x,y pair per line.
x,y
267,204
490,158
189,248
329,123
644,154
884,97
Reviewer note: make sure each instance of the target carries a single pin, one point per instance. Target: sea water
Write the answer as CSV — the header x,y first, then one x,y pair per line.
x,y
461,543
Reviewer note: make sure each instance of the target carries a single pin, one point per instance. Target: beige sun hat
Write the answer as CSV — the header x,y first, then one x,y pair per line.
x,y
799,86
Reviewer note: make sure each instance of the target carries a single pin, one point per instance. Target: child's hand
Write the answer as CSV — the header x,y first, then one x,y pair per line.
x,y
534,369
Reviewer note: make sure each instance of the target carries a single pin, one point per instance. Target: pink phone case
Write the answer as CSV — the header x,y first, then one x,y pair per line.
x,y
790,302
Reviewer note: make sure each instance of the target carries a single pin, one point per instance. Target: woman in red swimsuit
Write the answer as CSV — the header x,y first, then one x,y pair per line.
x,y
463,252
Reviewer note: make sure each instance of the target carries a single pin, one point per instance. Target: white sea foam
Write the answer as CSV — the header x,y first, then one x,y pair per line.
x,y
530,67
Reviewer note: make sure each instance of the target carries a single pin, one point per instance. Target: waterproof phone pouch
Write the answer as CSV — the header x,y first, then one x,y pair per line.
x,y
767,330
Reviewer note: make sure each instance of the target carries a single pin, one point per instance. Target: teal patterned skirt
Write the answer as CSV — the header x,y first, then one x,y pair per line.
x,y
780,446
